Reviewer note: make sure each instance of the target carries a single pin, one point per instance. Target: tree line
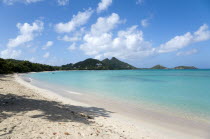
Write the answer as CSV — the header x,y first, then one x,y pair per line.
x,y
18,66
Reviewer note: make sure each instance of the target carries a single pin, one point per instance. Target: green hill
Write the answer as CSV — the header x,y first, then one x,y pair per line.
x,y
115,64
94,64
158,67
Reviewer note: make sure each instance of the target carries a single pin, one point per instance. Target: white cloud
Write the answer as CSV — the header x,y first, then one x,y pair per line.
x,y
139,2
94,45
176,43
77,20
103,5
63,2
10,53
11,2
47,45
46,55
129,43
190,52
182,41
27,33
145,22
99,36
202,33
72,47
105,24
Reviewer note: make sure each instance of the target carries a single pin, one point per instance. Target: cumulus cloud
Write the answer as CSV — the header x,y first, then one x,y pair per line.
x,y
77,20
190,52
100,42
188,38
99,36
11,2
10,53
94,45
47,45
129,43
105,24
103,5
63,2
46,55
202,33
27,33
176,43
72,47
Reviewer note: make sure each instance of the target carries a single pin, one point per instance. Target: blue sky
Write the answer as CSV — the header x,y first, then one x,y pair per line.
x,y
141,32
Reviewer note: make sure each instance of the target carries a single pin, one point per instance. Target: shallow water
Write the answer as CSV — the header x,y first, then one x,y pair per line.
x,y
186,92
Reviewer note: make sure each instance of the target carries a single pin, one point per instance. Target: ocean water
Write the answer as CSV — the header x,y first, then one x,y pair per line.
x,y
185,91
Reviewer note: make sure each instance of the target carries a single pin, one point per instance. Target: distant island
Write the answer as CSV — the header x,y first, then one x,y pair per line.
x,y
178,67
185,67
20,66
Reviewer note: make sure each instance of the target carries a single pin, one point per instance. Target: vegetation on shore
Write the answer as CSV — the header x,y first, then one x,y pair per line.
x,y
19,66
94,64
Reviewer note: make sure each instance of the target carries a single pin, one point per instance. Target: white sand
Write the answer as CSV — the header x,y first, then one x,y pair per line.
x,y
30,112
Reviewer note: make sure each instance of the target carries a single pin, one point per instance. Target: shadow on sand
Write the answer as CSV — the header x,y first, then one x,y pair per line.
x,y
2,77
51,110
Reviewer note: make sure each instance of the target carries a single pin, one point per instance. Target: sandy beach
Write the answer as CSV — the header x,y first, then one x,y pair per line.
x,y
28,112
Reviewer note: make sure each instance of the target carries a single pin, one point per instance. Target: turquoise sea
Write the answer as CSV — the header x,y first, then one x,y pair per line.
x,y
184,91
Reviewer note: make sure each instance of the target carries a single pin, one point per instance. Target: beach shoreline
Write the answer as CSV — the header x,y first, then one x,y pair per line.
x,y
96,98
119,126
150,117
